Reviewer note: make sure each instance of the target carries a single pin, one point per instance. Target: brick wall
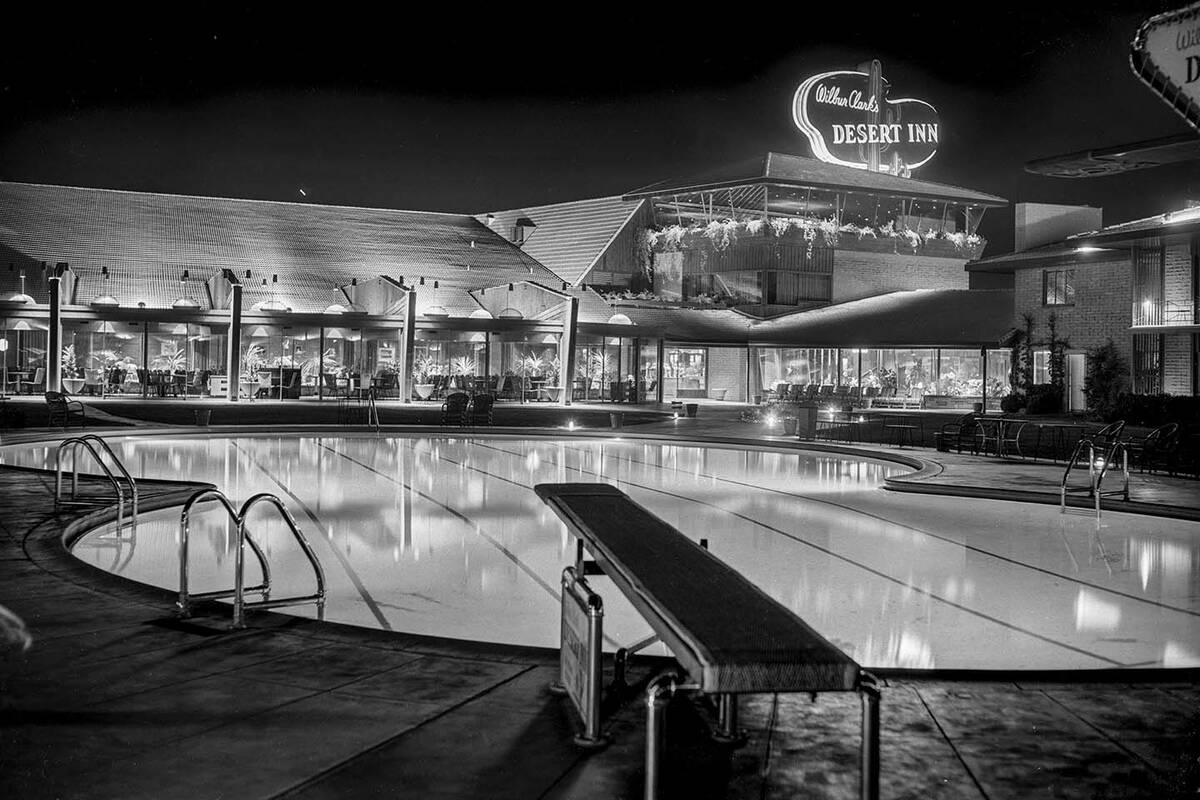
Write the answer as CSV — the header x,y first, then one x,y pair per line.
x,y
858,274
1177,278
727,370
1177,363
1103,298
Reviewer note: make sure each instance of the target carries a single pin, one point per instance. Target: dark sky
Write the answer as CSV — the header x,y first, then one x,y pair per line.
x,y
470,112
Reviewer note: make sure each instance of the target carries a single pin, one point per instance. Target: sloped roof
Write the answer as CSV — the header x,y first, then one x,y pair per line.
x,y
147,240
569,237
918,318
789,170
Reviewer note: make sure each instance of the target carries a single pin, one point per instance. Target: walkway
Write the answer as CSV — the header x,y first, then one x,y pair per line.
x,y
117,699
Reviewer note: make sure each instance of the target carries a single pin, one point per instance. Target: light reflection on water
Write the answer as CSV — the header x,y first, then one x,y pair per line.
x,y
443,536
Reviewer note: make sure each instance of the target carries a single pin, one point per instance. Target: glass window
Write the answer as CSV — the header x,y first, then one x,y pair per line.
x,y
1041,366
685,373
1058,287
648,372
958,373
999,375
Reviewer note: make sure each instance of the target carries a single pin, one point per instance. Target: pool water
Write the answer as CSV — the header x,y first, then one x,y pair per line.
x,y
444,536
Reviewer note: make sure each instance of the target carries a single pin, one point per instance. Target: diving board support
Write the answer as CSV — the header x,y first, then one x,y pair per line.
x,y
579,655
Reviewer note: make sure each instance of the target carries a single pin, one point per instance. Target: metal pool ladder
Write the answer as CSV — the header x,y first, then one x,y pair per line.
x,y
71,446
239,590
1099,462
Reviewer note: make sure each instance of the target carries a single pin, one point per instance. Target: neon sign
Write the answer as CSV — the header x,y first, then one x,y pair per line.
x,y
843,120
1166,56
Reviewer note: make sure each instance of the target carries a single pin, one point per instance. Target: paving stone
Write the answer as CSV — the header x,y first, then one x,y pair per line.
x,y
1089,769
260,756
325,666
432,678
975,713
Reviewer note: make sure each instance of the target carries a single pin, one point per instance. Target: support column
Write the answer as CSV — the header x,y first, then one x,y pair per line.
x,y
54,342
567,348
321,365
233,361
661,369
408,343
983,371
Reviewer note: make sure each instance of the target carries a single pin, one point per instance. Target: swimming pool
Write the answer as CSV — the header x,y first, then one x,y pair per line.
x,y
443,536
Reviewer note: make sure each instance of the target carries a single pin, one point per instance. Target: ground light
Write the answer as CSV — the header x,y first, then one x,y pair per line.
x,y
570,424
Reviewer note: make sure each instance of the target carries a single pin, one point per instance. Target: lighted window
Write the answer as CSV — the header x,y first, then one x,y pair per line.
x,y
1058,287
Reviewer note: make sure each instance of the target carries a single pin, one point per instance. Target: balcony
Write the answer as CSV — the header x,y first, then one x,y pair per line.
x,y
1159,313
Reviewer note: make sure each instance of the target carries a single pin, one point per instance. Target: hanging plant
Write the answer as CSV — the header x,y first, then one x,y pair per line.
x,y
722,233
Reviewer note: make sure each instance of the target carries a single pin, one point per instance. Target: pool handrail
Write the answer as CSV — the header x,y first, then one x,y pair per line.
x,y
1099,461
72,446
239,600
183,604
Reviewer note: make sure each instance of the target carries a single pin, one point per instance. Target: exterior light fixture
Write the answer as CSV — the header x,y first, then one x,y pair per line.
x,y
435,284
1088,248
481,313
437,311
354,281
182,302
336,308
422,280
510,313
510,287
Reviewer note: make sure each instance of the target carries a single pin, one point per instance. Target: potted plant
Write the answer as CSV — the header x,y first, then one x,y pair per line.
x,y
422,373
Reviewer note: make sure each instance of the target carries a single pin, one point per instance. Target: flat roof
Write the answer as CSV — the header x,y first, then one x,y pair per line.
x,y
783,169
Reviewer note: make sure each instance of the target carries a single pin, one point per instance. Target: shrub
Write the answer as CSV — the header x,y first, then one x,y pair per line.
x,y
1153,410
1011,403
1045,398
1107,376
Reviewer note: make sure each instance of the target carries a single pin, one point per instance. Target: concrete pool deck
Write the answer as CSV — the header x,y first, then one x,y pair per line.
x,y
116,699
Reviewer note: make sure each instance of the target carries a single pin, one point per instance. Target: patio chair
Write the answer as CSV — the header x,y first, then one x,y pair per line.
x,y
62,411
479,412
329,382
963,432
1156,450
91,381
454,408
1106,436
39,379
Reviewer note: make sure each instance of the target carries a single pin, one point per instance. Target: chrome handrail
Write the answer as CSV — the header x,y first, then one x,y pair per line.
x,y
1098,468
72,446
185,598
239,589
239,602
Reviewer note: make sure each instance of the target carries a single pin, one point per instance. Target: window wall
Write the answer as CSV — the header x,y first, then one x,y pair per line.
x,y
24,352
445,361
606,369
685,372
910,371
525,366
648,371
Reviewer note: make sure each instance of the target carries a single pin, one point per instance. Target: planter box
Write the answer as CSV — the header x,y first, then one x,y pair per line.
x,y
717,394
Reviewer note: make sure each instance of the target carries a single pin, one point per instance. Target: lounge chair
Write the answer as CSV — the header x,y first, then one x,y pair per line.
x,y
479,411
62,411
454,409
1157,449
963,432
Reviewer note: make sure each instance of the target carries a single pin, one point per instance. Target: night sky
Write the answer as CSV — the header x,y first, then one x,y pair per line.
x,y
473,112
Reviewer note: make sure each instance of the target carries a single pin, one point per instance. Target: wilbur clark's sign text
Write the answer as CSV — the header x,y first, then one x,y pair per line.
x,y
841,117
